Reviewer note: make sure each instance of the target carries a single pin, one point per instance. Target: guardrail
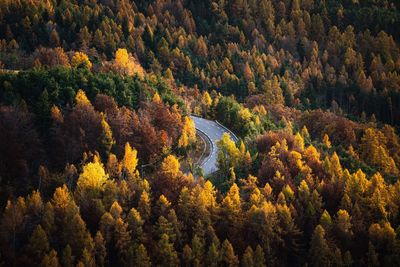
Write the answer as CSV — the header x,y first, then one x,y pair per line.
x,y
209,140
221,125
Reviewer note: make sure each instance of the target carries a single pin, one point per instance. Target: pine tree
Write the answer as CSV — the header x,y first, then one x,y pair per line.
x,y
144,206
326,141
213,256
87,258
116,210
130,160
67,260
197,250
228,257
187,256
170,166
319,253
259,259
107,140
75,234
167,254
100,251
122,239
299,142
50,260
141,257
247,259
135,223
38,244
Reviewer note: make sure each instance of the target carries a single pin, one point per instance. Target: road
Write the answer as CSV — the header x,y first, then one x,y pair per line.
x,y
214,132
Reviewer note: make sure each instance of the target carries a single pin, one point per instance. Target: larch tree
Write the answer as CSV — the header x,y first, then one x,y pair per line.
x,y
228,257
167,253
130,160
319,253
92,178
247,258
50,259
142,258
100,250
107,140
81,59
228,154
144,206
38,244
170,166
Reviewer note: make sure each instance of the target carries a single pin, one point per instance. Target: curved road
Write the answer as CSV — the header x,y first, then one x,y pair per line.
x,y
214,132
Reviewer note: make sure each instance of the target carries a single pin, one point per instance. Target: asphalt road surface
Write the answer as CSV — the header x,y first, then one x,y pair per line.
x,y
214,132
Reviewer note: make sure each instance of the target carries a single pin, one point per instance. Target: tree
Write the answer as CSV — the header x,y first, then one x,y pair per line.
x,y
75,234
167,254
213,255
144,206
121,58
247,259
81,98
38,244
299,142
67,260
81,59
141,257
247,72
107,140
130,160
259,259
228,154
319,253
170,166
206,99
135,223
122,240
100,251
197,250
50,260
326,141
228,257
187,256
92,178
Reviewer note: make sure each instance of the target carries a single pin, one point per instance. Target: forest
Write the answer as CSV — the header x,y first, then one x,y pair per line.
x,y
99,156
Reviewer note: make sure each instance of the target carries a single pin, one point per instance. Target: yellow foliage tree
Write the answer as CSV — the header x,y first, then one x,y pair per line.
x,y
188,133
81,59
228,155
326,141
183,141
113,166
206,99
81,98
232,203
245,114
56,114
130,160
127,64
304,132
157,98
121,57
170,166
107,139
92,177
299,141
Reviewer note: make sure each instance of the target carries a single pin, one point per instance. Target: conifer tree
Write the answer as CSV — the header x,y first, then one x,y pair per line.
x,y
167,253
142,258
228,257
